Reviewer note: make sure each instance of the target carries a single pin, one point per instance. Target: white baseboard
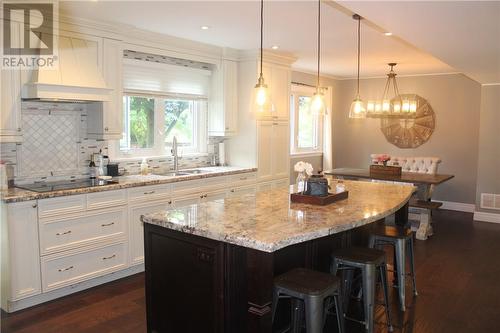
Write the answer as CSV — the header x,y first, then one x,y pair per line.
x,y
24,303
458,206
487,217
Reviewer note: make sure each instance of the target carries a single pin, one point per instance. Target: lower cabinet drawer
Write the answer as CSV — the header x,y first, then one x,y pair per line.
x,y
76,231
73,267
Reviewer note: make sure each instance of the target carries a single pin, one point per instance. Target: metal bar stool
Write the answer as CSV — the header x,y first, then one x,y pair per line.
x,y
402,240
313,288
369,261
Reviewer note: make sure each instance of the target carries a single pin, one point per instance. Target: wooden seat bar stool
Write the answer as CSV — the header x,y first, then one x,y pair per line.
x,y
369,261
401,239
312,288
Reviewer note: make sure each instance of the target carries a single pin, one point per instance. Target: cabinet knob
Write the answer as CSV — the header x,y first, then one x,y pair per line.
x,y
19,129
169,202
232,190
34,205
202,196
106,129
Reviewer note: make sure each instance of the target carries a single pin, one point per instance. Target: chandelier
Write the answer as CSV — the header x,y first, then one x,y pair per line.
x,y
399,106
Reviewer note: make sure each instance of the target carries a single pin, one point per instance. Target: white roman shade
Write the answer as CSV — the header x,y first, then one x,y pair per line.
x,y
160,79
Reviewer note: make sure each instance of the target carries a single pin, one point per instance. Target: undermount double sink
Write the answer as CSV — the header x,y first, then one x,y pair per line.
x,y
181,173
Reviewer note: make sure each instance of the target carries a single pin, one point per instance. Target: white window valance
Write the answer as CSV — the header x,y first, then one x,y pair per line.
x,y
151,78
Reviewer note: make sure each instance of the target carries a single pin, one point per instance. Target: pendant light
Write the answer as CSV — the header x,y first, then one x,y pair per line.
x,y
357,109
261,91
317,105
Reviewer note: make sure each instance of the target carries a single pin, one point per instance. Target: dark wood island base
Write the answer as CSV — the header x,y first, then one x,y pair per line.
x,y
194,284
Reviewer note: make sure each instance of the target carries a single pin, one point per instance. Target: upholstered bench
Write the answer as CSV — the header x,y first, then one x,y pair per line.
x,y
420,211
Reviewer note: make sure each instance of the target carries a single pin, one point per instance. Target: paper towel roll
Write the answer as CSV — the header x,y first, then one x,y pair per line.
x,y
222,154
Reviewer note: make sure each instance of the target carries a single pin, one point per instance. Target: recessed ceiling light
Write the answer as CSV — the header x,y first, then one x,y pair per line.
x,y
388,33
275,47
204,27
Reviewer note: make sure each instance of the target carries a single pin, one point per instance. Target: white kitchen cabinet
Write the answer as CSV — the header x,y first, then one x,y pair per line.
x,y
273,150
105,120
242,190
223,107
278,80
10,99
20,271
136,227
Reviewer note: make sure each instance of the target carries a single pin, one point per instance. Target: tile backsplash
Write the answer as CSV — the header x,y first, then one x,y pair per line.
x,y
55,146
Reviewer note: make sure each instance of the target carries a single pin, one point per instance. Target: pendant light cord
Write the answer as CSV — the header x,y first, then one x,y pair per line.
x,y
359,47
261,32
319,42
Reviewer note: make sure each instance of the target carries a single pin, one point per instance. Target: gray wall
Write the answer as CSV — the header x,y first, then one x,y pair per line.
x,y
488,175
456,103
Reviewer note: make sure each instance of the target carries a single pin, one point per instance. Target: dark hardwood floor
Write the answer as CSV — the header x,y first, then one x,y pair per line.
x,y
458,273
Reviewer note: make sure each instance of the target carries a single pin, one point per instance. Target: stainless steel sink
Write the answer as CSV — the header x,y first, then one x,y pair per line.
x,y
172,174
194,171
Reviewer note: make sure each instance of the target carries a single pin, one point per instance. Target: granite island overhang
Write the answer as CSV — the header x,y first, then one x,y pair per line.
x,y
221,256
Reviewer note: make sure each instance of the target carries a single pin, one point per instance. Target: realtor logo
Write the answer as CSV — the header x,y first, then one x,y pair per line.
x,y
29,34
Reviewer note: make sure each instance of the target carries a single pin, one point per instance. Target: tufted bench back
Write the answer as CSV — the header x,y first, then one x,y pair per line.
x,y
427,165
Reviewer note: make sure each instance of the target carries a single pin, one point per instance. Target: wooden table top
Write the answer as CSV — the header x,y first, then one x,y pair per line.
x,y
406,177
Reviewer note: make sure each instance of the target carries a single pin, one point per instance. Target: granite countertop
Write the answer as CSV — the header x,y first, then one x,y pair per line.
x,y
17,194
268,221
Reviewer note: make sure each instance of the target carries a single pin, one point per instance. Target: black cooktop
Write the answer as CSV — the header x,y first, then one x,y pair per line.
x,y
66,185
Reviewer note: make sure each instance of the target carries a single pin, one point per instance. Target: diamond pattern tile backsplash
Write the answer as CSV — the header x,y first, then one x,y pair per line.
x,y
55,146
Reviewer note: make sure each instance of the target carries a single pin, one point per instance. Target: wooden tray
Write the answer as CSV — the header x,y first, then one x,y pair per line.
x,y
384,170
316,200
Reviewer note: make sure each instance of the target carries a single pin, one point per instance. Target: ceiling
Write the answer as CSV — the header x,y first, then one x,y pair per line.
x,y
292,26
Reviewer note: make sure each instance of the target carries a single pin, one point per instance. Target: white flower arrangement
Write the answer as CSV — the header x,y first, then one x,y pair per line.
x,y
302,166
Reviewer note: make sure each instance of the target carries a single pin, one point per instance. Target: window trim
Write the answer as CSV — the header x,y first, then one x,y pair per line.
x,y
160,150
296,91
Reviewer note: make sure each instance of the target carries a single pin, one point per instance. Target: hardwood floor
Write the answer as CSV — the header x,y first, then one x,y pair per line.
x,y
457,280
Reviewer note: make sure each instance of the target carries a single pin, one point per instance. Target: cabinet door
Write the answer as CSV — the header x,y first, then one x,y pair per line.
x,y
136,228
214,195
265,150
223,108
281,78
186,201
10,99
280,150
105,120
230,97
112,71
20,251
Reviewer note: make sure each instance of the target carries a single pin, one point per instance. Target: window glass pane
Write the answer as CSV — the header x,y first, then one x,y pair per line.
x,y
180,122
306,132
138,123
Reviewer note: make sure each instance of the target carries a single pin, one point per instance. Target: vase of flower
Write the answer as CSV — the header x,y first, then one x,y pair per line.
x,y
304,171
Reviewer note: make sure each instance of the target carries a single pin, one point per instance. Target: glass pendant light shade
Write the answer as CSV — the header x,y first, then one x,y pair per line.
x,y
318,106
357,109
261,95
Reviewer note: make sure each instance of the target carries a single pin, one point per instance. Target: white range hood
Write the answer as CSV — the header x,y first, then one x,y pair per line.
x,y
78,77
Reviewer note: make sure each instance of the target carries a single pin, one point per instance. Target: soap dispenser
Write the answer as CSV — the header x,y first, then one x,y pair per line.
x,y
144,167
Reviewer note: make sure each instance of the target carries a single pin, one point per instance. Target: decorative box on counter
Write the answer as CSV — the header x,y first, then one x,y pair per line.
x,y
318,200
385,170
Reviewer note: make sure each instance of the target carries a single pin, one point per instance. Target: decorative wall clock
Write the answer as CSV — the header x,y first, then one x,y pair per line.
x,y
413,132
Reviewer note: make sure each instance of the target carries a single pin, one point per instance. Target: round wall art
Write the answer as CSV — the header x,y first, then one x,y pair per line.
x,y
413,132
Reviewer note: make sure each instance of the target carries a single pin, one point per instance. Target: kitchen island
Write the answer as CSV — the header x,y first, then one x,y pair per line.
x,y
210,266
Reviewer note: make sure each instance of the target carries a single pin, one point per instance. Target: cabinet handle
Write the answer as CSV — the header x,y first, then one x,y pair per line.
x,y
110,257
19,129
232,190
63,233
65,269
227,128
106,129
201,196
169,202
275,123
34,205
243,178
149,192
107,224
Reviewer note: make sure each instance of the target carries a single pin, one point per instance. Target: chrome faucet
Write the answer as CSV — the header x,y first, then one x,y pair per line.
x,y
175,154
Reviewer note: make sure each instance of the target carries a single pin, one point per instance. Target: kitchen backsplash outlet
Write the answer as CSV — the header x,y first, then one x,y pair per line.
x,y
55,146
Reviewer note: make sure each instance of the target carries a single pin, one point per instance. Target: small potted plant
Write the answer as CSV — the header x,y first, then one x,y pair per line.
x,y
383,159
